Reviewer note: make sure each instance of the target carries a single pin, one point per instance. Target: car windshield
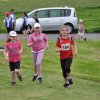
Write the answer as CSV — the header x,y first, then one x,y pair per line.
x,y
31,15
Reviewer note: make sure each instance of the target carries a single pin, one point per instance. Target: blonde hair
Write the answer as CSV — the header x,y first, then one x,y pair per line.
x,y
63,26
81,20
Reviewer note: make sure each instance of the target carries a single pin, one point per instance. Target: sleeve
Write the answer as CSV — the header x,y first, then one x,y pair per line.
x,y
46,41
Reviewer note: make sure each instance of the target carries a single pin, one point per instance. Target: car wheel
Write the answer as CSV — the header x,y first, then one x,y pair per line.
x,y
71,28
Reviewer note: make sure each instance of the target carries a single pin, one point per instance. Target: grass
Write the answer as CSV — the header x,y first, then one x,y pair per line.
x,y
85,72
87,11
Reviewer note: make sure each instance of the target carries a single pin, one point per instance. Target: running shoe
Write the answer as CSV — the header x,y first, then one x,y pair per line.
x,y
34,77
20,77
40,79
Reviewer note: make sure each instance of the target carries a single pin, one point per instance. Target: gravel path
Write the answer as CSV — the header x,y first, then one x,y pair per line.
x,y
93,36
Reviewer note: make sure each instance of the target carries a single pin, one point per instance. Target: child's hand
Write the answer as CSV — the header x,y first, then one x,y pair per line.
x,y
19,52
75,54
30,44
46,47
7,58
58,49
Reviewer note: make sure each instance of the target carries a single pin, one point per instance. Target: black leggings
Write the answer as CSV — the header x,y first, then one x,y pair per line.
x,y
65,65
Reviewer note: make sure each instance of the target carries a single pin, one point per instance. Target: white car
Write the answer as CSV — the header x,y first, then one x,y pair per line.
x,y
52,18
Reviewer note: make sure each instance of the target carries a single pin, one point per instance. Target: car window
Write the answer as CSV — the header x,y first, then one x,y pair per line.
x,y
42,14
54,12
60,12
67,12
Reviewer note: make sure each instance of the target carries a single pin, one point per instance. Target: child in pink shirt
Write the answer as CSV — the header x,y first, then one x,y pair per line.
x,y
38,42
12,52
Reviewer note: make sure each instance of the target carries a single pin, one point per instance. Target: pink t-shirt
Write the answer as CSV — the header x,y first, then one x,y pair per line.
x,y
13,49
38,42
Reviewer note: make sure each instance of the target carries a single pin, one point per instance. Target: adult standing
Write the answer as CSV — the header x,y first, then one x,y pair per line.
x,y
12,15
39,42
8,21
24,24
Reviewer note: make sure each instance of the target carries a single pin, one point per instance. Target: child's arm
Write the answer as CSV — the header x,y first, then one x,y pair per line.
x,y
46,42
21,50
6,54
75,49
30,41
58,48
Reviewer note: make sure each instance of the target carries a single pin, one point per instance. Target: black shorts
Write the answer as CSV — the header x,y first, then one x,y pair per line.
x,y
14,65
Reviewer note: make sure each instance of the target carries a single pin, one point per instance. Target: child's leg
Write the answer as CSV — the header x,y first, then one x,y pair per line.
x,y
39,61
34,61
83,37
38,65
79,37
13,75
63,69
68,65
25,31
35,67
17,70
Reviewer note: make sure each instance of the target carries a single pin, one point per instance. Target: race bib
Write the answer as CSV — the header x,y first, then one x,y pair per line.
x,y
65,46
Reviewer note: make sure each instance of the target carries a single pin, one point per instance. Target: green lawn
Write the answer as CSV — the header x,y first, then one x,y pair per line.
x,y
85,72
88,10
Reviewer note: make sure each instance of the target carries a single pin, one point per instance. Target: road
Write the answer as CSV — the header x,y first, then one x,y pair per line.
x,y
93,36
89,36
